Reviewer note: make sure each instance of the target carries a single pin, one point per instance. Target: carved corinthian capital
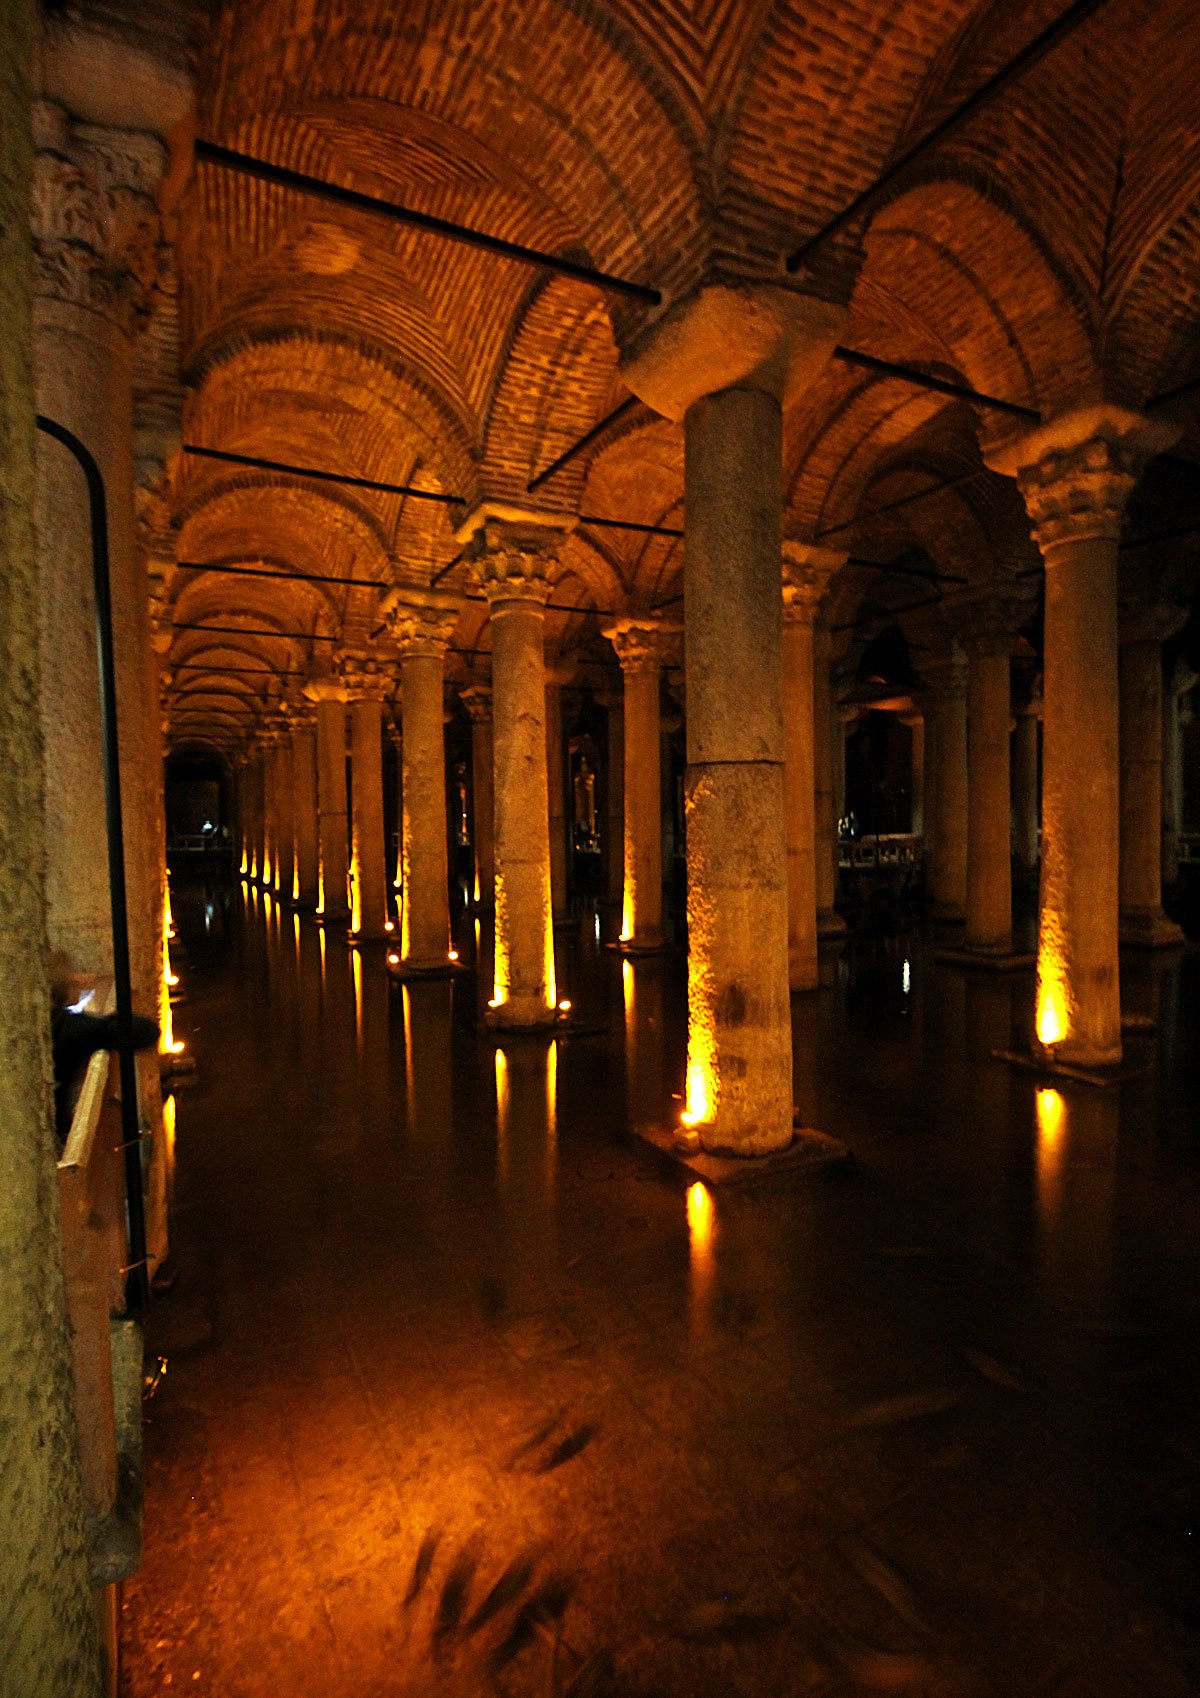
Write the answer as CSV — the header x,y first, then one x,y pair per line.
x,y
807,570
644,644
97,237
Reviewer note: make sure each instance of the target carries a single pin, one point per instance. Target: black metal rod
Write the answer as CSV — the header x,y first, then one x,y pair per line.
x,y
278,572
585,441
137,1288
902,501
888,616
375,484
927,572
230,160
1051,37
237,631
939,385
445,570
630,525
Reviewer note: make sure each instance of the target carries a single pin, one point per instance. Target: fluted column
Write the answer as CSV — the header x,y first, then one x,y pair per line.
x,y
1076,474
642,645
477,699
306,883
721,360
421,626
513,561
333,894
47,1612
1143,630
946,706
806,574
827,736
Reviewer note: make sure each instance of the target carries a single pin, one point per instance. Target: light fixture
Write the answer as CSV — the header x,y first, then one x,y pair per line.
x,y
454,955
393,960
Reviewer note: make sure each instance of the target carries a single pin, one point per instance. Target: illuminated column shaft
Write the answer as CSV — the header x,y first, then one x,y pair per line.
x,y
825,730
615,889
285,820
425,917
1141,741
331,802
739,1013
916,726
948,874
989,836
304,812
517,585
806,573
369,869
1179,682
929,719
477,699
556,787
270,815
1025,792
1076,474
641,645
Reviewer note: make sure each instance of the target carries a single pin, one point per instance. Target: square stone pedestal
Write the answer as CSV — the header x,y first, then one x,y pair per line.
x,y
808,1152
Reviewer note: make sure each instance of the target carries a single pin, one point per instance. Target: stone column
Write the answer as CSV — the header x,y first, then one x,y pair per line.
x,y
615,801
916,726
929,719
827,736
477,699
1180,679
270,809
946,704
422,626
806,574
556,787
368,863
304,814
332,900
47,1620
720,360
96,251
285,819
1076,474
254,798
1142,634
513,557
1025,791
641,645
986,629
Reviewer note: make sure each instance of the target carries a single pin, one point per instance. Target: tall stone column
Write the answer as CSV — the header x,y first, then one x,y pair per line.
x,y
368,862
1142,634
96,251
304,813
513,559
827,734
916,727
47,1619
1025,791
615,800
1180,680
422,626
986,629
929,719
946,703
254,811
270,837
641,645
285,819
556,781
806,574
1076,474
477,699
721,360
330,697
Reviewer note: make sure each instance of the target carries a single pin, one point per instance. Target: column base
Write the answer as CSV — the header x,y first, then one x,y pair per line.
x,y
333,919
541,1021
1081,1073
808,1151
441,967
947,914
633,946
1148,928
989,960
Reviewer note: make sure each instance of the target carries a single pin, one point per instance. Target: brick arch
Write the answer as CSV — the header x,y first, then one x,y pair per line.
x,y
326,530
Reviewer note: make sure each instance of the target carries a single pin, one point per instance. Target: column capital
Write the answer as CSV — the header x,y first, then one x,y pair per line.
x,y
477,699
986,622
643,642
366,674
731,335
807,570
421,622
326,689
1077,471
513,549
945,678
97,234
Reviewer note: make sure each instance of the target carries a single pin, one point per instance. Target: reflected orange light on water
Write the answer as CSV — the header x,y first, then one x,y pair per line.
x,y
701,1232
1051,1112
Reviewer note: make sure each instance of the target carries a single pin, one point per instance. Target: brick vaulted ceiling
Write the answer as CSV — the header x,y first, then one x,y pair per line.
x,y
1049,253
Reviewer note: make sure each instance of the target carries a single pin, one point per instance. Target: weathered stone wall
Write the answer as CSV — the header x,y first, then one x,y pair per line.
x,y
47,1634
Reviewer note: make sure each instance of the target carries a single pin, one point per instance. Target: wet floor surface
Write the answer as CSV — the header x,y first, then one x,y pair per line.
x,y
466,1395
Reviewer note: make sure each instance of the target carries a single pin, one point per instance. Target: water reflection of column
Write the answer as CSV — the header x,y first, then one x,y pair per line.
x,y
428,1068
526,1165
1076,1194
371,1008
702,1226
